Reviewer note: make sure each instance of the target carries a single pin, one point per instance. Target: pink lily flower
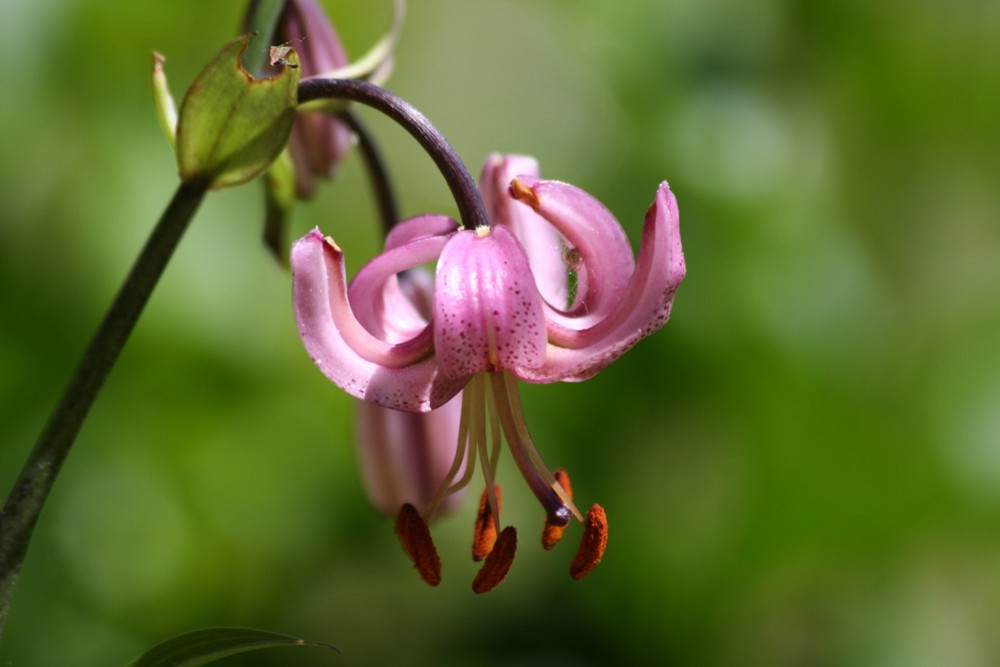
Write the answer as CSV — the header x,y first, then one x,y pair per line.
x,y
503,310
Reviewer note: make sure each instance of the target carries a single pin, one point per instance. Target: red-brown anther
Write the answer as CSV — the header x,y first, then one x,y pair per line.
x,y
595,539
498,562
552,533
484,534
417,542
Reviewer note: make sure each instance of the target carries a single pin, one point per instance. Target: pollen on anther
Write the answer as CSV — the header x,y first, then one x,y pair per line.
x,y
595,539
415,537
484,535
497,563
553,532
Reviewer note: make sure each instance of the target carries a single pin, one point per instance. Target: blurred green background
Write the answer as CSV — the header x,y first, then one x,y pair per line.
x,y
802,468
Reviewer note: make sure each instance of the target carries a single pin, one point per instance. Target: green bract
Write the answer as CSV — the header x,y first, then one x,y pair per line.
x,y
232,126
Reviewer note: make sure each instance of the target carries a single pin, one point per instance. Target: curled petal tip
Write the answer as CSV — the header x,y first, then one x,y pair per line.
x,y
314,234
365,366
521,190
664,213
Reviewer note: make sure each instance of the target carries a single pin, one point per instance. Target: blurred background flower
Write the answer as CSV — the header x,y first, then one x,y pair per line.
x,y
802,469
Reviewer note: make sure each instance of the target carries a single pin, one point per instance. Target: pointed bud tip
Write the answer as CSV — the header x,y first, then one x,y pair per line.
x,y
595,540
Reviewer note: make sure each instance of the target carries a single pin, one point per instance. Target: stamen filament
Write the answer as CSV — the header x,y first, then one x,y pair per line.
x,y
461,450
466,476
477,389
495,433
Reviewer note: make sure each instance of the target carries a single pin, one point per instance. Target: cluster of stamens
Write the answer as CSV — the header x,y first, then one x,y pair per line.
x,y
491,414
496,549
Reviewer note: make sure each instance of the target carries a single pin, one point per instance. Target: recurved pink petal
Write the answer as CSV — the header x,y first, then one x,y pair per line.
x,y
488,314
598,250
419,227
377,278
643,307
353,359
541,241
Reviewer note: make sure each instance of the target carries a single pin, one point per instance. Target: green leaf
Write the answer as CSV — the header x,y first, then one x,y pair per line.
x,y
201,647
231,125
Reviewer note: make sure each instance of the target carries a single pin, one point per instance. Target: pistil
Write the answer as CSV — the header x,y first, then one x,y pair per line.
x,y
559,507
552,532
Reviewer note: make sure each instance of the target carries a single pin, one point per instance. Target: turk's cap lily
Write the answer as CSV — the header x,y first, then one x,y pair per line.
x,y
502,309
489,313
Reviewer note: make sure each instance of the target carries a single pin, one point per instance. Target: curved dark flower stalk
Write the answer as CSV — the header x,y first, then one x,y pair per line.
x,y
471,208
402,456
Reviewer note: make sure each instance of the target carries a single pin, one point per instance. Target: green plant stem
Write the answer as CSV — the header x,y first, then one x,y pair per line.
x,y
261,19
24,504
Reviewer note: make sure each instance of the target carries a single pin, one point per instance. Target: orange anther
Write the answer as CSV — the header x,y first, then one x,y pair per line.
x,y
595,539
484,534
416,539
498,562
